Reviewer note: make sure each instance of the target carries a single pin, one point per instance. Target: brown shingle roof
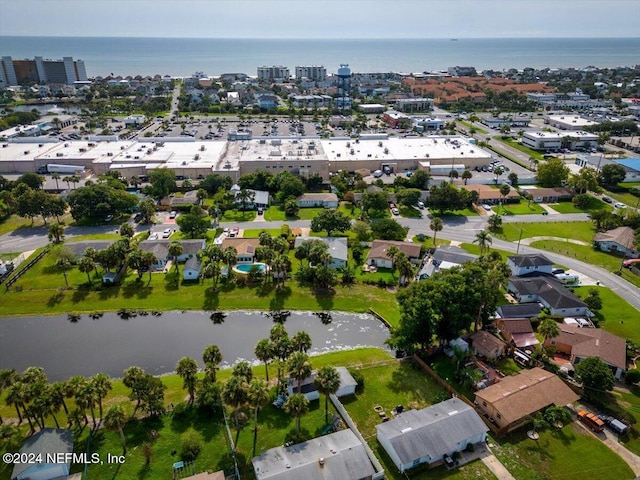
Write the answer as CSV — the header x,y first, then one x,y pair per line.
x,y
594,342
621,235
485,342
531,390
379,249
243,246
485,192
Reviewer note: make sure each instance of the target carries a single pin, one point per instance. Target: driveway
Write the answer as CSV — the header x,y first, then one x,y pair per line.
x,y
609,439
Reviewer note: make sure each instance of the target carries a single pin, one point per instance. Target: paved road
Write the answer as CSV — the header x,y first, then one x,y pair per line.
x,y
610,440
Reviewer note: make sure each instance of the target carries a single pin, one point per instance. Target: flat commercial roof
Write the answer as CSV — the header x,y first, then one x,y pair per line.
x,y
574,120
24,151
274,150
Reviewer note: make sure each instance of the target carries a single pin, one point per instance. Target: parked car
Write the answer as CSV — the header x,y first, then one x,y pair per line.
x,y
607,199
166,233
173,214
421,205
619,205
557,271
486,206
395,211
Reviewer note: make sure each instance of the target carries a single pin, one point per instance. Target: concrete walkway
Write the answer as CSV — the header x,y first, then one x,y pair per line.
x,y
493,464
529,241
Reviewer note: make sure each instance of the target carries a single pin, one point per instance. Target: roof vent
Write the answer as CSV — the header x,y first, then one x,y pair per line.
x,y
321,462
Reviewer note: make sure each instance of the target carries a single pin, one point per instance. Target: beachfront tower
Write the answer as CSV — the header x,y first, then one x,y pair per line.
x,y
344,86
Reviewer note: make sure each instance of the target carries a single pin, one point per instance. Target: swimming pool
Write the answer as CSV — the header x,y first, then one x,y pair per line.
x,y
245,268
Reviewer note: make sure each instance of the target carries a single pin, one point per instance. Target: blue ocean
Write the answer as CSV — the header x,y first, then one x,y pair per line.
x,y
184,56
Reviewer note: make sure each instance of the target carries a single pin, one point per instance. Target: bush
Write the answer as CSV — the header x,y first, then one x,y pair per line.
x,y
191,446
358,377
632,376
180,409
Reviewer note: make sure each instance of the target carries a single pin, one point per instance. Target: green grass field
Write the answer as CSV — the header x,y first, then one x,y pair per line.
x,y
518,146
570,453
522,208
623,194
255,232
475,250
583,231
467,212
617,316
238,216
569,207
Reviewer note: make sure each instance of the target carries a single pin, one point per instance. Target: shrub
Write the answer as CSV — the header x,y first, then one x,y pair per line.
x,y
191,446
632,376
359,378
180,409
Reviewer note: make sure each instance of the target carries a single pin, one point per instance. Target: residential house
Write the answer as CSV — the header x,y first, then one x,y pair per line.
x,y
267,101
517,331
580,343
520,310
422,436
245,248
337,249
379,248
78,248
260,198
487,345
191,270
547,290
189,198
492,196
47,443
444,258
339,455
509,402
527,263
618,241
160,249
549,195
309,389
326,200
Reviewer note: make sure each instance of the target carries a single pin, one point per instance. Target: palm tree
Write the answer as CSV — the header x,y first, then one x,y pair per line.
x,y
494,222
498,171
264,353
405,270
258,396
466,176
56,177
86,265
504,191
67,179
243,370
483,239
244,197
175,250
328,382
64,264
135,181
101,386
74,179
436,225
85,397
211,358
56,232
297,405
115,420
548,328
234,394
301,341
15,396
187,369
230,257
392,253
299,368
59,393
281,265
148,259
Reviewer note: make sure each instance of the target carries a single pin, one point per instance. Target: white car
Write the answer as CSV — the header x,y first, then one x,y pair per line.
x,y
619,205
486,207
167,233
153,236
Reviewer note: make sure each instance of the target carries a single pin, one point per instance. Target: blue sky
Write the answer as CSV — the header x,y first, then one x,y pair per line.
x,y
322,19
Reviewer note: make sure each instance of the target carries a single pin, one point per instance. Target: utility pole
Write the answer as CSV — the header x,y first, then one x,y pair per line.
x,y
519,238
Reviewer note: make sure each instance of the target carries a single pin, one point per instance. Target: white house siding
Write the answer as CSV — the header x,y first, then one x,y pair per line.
x,y
380,263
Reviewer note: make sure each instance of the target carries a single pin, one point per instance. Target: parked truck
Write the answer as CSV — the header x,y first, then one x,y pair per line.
x,y
55,168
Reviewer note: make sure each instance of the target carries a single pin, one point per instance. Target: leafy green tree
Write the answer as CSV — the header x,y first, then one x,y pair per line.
x,y
388,229
194,226
376,201
513,178
552,173
436,225
494,222
115,420
56,233
593,300
299,368
408,197
147,208
264,353
548,328
297,405
327,381
163,182
291,208
595,375
32,180
331,221
212,356
557,416
585,180
99,200
445,197
244,197
632,376
187,369
258,397
612,174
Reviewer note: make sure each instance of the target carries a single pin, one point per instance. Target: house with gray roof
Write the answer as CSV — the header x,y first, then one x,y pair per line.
x,y
549,292
191,270
422,436
78,248
189,198
326,200
617,241
260,198
529,263
337,249
160,249
519,310
444,258
48,441
310,390
338,456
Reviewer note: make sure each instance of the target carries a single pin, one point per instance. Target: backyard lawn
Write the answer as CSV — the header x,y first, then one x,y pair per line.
x,y
521,208
467,212
475,250
570,453
274,213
